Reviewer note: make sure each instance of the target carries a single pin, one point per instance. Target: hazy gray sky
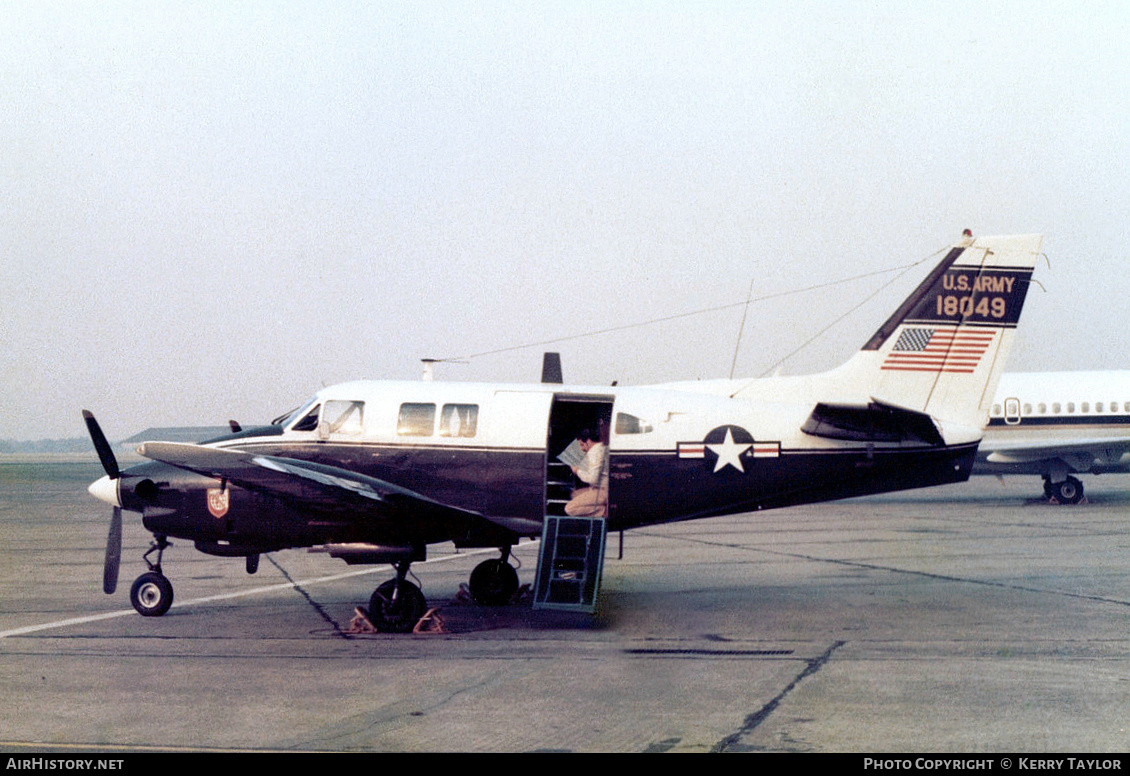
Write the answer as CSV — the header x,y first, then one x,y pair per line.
x,y
209,210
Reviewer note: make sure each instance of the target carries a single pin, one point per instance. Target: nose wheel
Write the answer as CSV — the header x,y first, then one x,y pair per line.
x,y
152,592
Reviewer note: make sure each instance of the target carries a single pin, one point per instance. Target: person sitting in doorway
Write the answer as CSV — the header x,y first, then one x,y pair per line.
x,y
591,501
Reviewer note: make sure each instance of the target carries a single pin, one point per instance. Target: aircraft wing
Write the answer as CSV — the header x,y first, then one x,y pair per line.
x,y
1028,451
316,487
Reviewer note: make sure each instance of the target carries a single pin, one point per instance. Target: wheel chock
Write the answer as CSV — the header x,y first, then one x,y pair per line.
x,y
361,622
431,622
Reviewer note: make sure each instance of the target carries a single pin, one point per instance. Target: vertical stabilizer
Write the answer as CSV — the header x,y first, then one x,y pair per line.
x,y
944,349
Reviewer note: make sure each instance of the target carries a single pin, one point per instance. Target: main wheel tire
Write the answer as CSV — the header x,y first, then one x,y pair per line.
x,y
493,583
151,594
398,616
1070,491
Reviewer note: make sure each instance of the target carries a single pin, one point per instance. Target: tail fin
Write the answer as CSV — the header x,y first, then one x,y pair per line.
x,y
943,351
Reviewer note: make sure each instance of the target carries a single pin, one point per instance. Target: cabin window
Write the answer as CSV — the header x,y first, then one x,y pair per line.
x,y
309,421
1070,406
1055,408
1043,408
1098,406
996,410
343,417
630,424
459,420
416,420
1027,409
1086,407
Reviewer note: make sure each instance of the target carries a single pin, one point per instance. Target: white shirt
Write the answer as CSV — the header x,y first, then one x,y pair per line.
x,y
594,469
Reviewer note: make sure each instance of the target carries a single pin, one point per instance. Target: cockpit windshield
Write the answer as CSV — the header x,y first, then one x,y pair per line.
x,y
287,417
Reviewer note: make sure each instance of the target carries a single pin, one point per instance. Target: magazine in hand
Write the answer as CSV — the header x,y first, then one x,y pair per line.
x,y
572,455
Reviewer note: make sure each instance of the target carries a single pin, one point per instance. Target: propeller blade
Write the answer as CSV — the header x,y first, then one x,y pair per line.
x,y
105,452
113,553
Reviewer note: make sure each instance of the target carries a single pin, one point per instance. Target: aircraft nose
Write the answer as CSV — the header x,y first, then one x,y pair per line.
x,y
106,489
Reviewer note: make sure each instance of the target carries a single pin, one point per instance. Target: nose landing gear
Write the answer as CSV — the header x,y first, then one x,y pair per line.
x,y
152,593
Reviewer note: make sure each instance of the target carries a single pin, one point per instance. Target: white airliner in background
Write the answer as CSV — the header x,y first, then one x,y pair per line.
x,y
1056,424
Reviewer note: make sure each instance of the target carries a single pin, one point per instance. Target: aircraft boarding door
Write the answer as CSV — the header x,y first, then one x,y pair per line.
x,y
1012,411
572,546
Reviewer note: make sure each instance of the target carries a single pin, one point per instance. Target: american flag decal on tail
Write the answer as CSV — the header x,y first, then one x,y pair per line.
x,y
939,349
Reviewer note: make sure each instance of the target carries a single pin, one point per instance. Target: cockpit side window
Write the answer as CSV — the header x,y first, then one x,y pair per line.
x,y
343,417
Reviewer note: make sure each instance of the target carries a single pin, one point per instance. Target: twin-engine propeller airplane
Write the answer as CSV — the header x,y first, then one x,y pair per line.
x,y
373,472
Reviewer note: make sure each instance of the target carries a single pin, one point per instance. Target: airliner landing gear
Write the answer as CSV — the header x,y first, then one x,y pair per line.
x,y
494,582
1070,491
152,593
397,605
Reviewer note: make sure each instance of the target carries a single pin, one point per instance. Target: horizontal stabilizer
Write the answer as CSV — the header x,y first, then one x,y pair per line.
x,y
875,422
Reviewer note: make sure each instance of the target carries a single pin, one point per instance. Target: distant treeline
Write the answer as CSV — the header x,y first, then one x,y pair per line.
x,y
75,445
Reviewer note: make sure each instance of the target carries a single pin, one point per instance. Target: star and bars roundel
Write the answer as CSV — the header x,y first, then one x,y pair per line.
x,y
728,446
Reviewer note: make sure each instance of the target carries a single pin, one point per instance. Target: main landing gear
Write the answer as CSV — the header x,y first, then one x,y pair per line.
x,y
494,582
1069,491
397,605
152,593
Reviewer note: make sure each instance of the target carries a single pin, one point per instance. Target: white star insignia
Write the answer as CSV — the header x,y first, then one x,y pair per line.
x,y
729,453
